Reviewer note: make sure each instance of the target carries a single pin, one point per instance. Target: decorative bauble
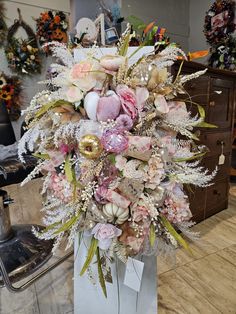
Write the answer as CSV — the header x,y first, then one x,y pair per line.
x,y
90,146
108,106
91,104
115,214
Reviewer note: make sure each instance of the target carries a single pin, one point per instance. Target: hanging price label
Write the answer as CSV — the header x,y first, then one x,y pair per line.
x,y
133,274
222,156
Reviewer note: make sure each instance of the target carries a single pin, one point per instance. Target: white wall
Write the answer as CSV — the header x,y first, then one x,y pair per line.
x,y
197,12
29,9
170,14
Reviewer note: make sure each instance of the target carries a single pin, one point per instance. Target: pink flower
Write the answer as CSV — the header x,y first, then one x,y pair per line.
x,y
177,210
104,233
60,187
128,100
112,63
139,213
124,122
80,70
155,172
100,195
74,94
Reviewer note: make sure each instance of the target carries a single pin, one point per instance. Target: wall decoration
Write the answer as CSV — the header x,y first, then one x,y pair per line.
x,y
52,26
10,94
219,21
108,141
223,55
22,54
3,26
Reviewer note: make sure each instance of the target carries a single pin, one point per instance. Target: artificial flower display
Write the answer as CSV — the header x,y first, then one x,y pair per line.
x,y
10,95
108,144
223,55
22,54
22,57
52,26
220,21
3,26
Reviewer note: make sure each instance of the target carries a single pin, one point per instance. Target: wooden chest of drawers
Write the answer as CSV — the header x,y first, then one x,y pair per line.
x,y
216,92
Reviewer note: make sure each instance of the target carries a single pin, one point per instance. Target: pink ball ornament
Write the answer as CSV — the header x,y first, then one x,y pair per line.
x,y
114,142
108,106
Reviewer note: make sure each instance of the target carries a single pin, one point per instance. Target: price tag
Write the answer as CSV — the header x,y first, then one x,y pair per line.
x,y
133,274
221,159
222,156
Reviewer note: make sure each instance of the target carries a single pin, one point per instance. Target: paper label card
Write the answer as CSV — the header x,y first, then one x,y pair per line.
x,y
221,159
133,274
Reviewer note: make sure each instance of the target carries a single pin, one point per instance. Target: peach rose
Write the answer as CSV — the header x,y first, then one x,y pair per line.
x,y
111,63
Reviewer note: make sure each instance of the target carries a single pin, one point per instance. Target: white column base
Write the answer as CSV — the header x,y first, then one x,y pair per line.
x,y
89,298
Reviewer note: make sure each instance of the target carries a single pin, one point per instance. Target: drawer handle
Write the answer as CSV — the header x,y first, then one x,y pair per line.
x,y
222,143
212,103
215,192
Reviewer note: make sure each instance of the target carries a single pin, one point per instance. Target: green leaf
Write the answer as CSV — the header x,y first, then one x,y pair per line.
x,y
112,158
91,252
174,233
194,137
41,156
46,229
49,106
196,156
201,111
137,24
152,235
66,226
68,169
100,273
206,125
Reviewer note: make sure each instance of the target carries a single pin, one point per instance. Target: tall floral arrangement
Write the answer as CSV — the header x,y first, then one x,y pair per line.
x,y
108,143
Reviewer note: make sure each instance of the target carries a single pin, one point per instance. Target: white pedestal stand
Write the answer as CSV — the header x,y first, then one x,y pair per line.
x,y
89,298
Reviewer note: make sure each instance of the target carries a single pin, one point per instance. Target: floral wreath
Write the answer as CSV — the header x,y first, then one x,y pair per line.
x,y
223,56
219,21
108,142
3,26
10,90
22,55
52,26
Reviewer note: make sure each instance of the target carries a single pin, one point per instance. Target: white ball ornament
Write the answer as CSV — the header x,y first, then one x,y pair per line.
x,y
90,105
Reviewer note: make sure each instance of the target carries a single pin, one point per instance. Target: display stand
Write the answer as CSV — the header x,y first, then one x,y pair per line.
x,y
89,298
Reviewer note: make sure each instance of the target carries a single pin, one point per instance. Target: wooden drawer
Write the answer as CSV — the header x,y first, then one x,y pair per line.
x,y
211,163
198,89
221,101
217,197
197,199
213,142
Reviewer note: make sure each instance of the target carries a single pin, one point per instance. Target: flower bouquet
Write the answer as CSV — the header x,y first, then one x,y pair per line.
x,y
116,148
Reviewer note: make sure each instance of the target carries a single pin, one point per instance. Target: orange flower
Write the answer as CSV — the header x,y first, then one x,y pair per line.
x,y
57,19
45,16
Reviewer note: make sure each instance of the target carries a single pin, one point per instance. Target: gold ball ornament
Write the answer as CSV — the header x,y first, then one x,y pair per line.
x,y
90,146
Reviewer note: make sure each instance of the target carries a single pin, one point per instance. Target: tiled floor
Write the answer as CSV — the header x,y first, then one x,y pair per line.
x,y
202,283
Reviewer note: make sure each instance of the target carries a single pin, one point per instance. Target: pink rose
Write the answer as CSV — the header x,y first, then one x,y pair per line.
x,y
74,94
80,70
104,233
124,122
111,63
139,213
101,195
128,100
